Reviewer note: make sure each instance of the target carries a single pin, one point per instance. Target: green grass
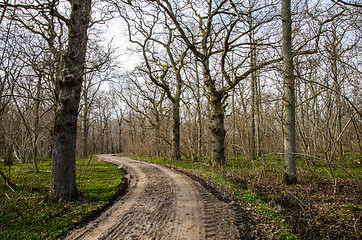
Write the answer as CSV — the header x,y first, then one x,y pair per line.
x,y
25,215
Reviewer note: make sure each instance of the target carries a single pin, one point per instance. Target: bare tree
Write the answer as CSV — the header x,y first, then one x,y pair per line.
x,y
219,34
161,52
99,65
12,68
63,184
290,173
147,103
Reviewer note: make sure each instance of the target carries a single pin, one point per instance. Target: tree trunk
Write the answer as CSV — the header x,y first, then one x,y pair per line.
x,y
337,86
36,126
176,155
233,147
217,129
85,123
63,180
216,99
176,131
7,180
253,120
253,92
199,115
258,126
106,133
120,149
85,135
290,173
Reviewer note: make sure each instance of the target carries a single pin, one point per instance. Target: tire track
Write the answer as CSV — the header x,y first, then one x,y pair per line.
x,y
188,208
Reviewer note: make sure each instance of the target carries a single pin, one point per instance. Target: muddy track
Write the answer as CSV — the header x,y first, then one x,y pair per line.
x,y
161,203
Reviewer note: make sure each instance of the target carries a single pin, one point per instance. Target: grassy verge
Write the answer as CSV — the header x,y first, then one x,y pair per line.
x,y
325,204
25,215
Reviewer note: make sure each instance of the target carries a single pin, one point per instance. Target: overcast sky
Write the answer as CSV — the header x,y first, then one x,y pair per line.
x,y
117,30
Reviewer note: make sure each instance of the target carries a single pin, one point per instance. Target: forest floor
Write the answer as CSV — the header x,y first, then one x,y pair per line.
x,y
312,209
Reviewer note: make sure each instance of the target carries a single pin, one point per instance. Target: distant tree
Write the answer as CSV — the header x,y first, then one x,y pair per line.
x,y
99,65
147,102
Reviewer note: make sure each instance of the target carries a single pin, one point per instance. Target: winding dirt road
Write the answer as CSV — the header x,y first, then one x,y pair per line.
x,y
161,203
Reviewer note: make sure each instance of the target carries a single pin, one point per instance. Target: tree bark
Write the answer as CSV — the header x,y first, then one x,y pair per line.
x,y
176,131
253,107
120,138
63,180
120,125
199,114
85,123
290,173
36,126
217,129
253,85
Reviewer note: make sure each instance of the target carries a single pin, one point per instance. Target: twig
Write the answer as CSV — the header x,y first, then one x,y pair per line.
x,y
7,196
302,203
17,156
7,183
355,223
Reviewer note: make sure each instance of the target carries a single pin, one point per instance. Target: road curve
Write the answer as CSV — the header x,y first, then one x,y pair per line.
x,y
161,203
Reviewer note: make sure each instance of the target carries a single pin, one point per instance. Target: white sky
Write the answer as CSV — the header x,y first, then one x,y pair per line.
x,y
117,30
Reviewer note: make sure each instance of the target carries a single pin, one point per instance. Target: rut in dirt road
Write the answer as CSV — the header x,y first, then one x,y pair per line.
x,y
161,203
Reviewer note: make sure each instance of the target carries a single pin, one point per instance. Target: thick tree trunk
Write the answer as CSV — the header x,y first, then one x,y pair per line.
x,y
63,179
176,131
217,129
176,155
290,173
217,115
